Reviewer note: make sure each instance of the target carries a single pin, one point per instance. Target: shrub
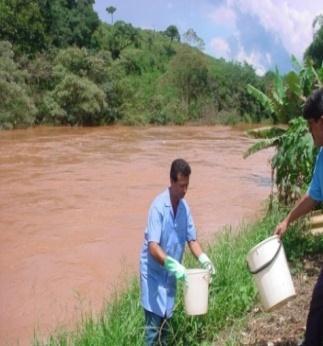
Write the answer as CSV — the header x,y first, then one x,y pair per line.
x,y
17,107
78,102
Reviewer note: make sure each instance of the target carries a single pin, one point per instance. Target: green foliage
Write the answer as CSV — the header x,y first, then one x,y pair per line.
x,y
118,37
293,160
188,74
315,50
294,157
287,94
76,101
111,10
22,23
17,107
94,75
261,97
266,132
227,83
147,76
38,24
173,33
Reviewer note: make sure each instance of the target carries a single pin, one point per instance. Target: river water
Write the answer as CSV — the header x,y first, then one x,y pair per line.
x,y
73,207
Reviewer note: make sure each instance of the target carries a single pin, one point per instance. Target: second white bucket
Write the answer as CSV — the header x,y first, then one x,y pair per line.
x,y
267,262
196,291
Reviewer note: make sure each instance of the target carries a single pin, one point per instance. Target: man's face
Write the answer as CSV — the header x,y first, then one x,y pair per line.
x,y
316,128
180,186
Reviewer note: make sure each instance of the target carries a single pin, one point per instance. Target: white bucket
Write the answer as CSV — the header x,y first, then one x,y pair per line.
x,y
196,291
267,262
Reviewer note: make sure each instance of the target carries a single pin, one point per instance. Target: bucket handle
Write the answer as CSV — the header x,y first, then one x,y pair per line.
x,y
267,264
207,278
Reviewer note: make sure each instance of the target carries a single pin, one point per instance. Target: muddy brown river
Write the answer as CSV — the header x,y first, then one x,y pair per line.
x,y
73,207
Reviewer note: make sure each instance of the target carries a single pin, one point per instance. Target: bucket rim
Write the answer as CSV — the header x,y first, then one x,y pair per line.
x,y
262,243
197,271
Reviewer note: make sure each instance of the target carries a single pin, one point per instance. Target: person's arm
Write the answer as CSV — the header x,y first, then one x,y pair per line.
x,y
195,248
302,207
157,252
197,251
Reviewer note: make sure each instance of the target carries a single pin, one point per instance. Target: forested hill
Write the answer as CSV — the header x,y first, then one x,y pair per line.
x,y
59,64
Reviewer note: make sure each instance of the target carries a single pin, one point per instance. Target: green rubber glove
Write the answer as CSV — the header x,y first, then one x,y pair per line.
x,y
176,268
206,263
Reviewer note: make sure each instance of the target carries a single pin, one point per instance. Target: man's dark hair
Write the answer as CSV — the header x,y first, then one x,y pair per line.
x,y
313,108
179,166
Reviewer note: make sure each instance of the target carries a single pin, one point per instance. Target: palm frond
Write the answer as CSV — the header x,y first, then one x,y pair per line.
x,y
317,77
279,90
266,132
264,144
261,97
296,64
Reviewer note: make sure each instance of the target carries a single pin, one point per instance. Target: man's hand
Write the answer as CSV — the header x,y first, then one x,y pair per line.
x,y
302,207
281,228
176,268
206,263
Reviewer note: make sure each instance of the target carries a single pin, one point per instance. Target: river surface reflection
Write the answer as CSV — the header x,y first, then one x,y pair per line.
x,y
73,207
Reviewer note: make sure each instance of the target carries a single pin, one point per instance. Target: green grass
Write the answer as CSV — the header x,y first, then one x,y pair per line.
x,y
232,293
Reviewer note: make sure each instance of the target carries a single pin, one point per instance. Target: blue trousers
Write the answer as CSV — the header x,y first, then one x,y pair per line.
x,y
314,326
156,329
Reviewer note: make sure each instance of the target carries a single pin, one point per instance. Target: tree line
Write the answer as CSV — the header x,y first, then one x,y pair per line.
x,y
61,65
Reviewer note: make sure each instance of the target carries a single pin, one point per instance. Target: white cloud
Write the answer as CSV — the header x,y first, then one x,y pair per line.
x,y
290,21
268,59
253,58
223,15
220,48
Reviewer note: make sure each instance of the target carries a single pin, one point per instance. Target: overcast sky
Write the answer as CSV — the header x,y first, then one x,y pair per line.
x,y
265,33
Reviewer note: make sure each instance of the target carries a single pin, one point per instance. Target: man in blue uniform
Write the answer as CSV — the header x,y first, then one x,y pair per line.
x,y
313,112
169,227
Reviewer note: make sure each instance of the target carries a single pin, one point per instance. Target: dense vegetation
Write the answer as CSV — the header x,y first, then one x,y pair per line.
x,y
315,51
293,161
59,64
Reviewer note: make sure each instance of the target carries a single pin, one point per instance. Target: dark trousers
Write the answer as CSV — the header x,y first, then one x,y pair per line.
x,y
156,329
314,327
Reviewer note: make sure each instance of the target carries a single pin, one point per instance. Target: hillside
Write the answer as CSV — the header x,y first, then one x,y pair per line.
x,y
60,65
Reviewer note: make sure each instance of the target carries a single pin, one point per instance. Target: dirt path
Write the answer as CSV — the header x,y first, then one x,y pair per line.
x,y
286,325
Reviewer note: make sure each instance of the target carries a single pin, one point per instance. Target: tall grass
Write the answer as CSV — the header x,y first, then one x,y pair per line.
x,y
232,293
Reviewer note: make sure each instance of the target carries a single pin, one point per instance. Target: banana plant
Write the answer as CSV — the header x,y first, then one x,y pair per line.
x,y
288,93
293,161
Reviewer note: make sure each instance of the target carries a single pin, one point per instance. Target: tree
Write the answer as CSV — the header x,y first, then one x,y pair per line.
x,y
191,37
172,33
121,36
293,161
315,49
17,107
23,25
289,92
189,75
34,25
111,10
76,101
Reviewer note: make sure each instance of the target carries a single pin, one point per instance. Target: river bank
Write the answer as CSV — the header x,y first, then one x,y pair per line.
x,y
234,313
